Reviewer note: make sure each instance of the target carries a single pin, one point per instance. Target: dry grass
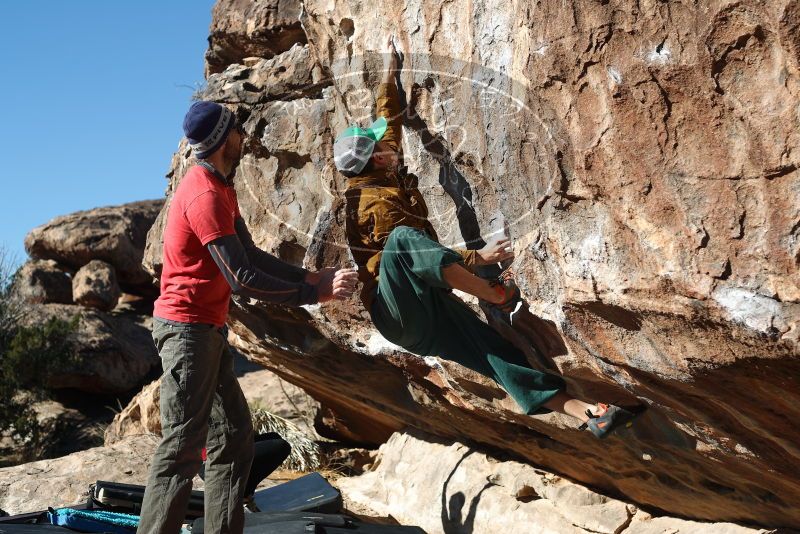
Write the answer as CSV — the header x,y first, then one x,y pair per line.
x,y
304,455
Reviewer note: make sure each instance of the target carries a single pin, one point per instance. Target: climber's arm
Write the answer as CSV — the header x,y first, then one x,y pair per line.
x,y
388,101
390,62
495,251
470,256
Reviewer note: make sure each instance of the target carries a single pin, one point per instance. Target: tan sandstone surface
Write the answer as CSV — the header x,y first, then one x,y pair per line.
x,y
450,488
64,481
643,157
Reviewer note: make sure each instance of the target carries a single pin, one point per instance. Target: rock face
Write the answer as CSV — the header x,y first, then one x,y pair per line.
x,y
643,159
114,234
95,285
287,76
115,350
43,282
465,491
243,28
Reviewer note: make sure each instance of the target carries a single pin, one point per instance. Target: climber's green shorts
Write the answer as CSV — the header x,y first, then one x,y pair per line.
x,y
414,308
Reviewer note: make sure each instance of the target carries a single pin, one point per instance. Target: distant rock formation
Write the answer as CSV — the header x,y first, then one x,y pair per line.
x,y
95,286
43,282
115,350
80,265
115,235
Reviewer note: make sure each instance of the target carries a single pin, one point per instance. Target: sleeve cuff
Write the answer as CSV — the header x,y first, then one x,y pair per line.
x,y
208,238
309,294
299,273
469,256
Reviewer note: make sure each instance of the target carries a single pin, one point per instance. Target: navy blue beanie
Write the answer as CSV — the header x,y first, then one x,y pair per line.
x,y
206,126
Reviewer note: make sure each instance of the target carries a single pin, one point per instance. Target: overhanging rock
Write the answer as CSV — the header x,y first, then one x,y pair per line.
x,y
642,159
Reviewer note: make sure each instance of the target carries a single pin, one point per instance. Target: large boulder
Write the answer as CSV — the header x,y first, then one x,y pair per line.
x,y
43,282
115,235
641,157
465,490
95,285
115,351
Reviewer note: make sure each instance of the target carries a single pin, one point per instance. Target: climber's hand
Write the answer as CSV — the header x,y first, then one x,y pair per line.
x,y
390,59
333,283
497,250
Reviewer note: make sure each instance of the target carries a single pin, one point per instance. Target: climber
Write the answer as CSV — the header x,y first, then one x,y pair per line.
x,y
208,254
408,275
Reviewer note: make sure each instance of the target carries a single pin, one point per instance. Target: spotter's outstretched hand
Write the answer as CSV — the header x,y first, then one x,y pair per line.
x,y
333,283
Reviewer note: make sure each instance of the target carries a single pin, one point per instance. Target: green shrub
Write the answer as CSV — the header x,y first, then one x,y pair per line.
x,y
34,353
29,356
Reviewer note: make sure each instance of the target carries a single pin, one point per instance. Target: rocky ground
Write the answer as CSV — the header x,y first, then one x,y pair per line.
x,y
461,491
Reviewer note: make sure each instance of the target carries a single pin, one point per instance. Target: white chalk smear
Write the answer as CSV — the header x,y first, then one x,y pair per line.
x,y
614,74
660,54
377,344
751,309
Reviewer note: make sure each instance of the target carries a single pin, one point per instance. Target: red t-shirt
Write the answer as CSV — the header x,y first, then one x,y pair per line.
x,y
193,289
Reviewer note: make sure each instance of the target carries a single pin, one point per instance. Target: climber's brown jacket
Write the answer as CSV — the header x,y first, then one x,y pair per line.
x,y
378,201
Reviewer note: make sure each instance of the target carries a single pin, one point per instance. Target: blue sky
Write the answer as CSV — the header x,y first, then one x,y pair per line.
x,y
94,94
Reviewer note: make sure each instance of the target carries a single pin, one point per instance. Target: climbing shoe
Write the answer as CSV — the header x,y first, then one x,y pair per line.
x,y
608,420
505,286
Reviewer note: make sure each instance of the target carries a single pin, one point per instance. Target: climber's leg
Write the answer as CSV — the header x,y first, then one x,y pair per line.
x,y
471,342
563,403
406,306
414,309
465,339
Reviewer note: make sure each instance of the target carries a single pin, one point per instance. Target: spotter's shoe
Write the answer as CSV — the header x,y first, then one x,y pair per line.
x,y
608,420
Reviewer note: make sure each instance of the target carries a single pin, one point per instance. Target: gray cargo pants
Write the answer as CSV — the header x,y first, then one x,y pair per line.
x,y
202,405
